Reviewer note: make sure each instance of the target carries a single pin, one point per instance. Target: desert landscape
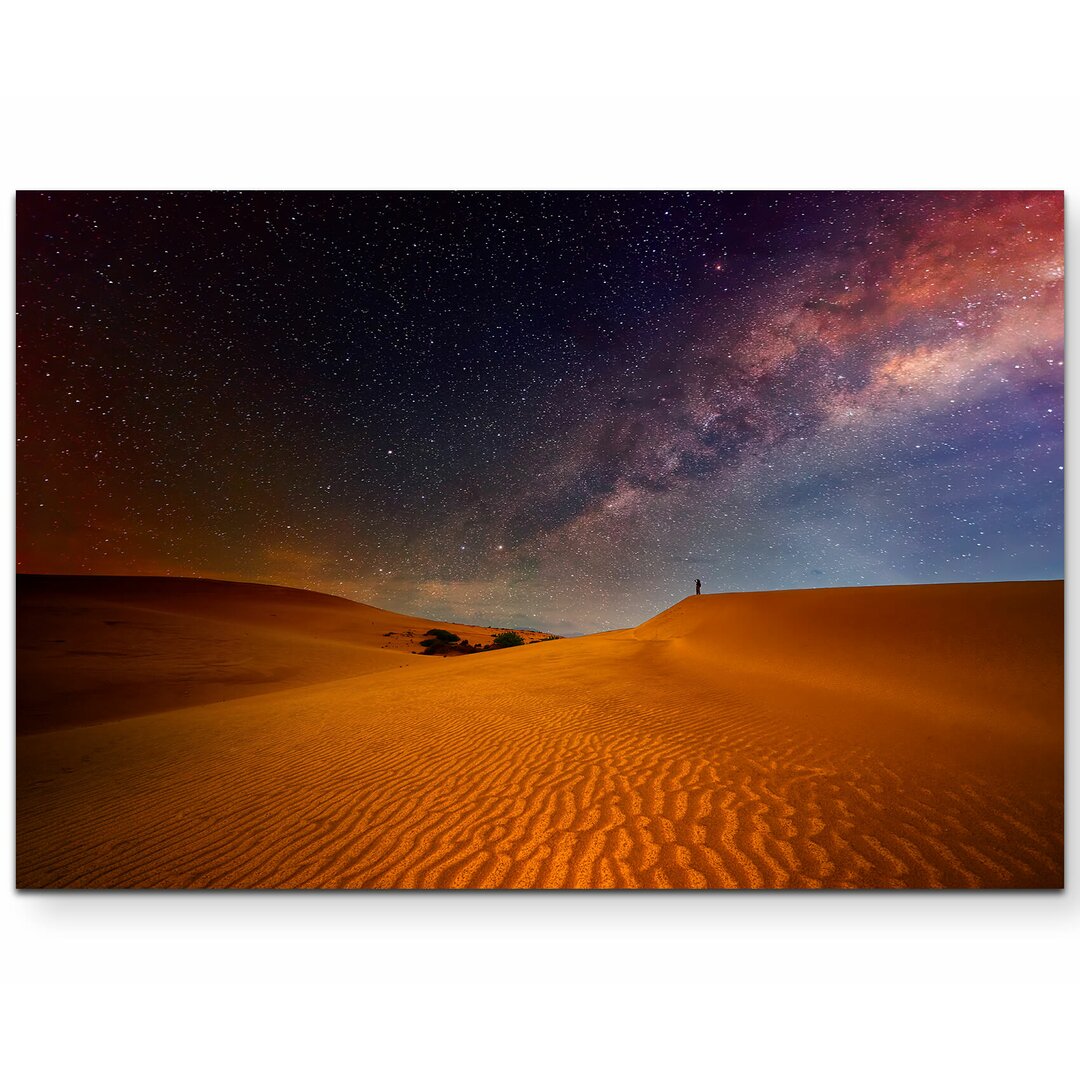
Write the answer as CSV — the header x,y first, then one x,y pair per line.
x,y
729,525
208,734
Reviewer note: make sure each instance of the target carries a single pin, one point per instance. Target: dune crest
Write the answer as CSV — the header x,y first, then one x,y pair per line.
x,y
899,737
92,649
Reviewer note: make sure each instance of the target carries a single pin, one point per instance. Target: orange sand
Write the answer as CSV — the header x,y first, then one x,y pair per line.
x,y
886,737
103,648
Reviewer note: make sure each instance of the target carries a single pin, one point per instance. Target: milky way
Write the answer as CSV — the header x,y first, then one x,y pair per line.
x,y
544,410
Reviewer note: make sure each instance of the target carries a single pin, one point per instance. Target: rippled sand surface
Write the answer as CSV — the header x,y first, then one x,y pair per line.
x,y
886,737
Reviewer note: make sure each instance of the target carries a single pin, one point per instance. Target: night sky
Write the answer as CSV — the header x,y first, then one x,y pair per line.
x,y
550,410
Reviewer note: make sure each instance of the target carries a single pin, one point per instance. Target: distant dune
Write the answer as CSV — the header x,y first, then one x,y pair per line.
x,y
884,737
103,648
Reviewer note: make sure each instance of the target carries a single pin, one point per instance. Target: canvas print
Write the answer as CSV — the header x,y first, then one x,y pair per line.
x,y
540,540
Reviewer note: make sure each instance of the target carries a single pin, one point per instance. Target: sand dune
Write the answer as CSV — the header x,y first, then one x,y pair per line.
x,y
103,648
834,738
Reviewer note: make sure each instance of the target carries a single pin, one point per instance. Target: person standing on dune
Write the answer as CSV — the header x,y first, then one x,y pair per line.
x,y
697,585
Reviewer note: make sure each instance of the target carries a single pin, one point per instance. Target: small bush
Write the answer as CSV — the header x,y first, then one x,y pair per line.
x,y
443,635
507,639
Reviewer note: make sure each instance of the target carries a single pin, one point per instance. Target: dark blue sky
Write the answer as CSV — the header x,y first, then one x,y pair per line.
x,y
550,410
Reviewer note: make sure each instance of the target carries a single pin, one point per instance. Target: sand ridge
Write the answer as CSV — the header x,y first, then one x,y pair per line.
x,y
740,741
92,649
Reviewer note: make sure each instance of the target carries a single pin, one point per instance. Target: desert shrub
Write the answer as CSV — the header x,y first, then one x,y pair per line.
x,y
507,639
446,636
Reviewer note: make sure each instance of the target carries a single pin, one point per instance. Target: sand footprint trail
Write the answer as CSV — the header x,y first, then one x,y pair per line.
x,y
751,741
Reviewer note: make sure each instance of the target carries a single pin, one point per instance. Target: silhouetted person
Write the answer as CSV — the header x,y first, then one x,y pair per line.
x,y
697,586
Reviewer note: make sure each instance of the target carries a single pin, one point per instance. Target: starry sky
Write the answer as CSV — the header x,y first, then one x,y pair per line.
x,y
546,410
